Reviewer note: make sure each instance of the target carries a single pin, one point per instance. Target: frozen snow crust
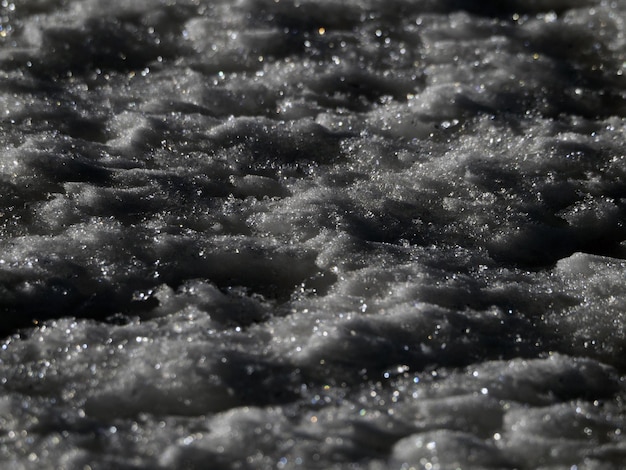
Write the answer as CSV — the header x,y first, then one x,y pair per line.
x,y
315,234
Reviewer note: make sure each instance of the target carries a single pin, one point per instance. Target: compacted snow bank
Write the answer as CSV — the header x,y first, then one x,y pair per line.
x,y
314,234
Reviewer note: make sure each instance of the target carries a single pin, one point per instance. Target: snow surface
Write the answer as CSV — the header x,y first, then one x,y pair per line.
x,y
262,234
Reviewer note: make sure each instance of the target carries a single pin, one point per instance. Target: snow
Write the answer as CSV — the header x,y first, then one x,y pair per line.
x,y
312,234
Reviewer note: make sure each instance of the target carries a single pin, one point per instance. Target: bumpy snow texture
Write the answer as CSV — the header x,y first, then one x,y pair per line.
x,y
320,234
